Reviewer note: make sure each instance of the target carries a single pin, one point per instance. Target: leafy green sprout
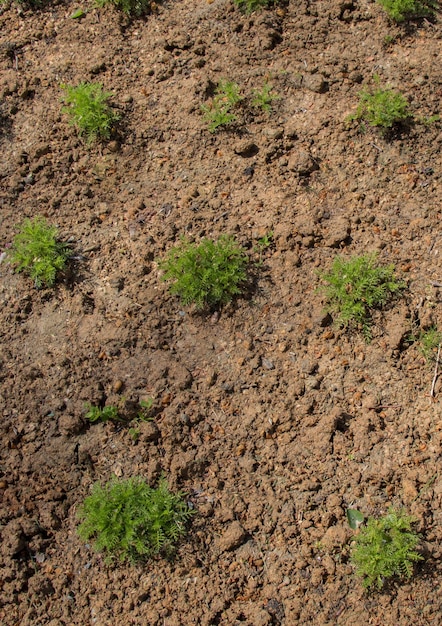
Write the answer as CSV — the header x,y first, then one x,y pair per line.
x,y
89,111
356,286
37,252
250,6
218,112
143,415
131,8
102,414
382,108
262,244
385,547
130,521
263,98
207,274
429,341
388,40
401,10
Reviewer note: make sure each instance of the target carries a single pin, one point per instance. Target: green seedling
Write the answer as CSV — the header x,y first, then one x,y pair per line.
x,y
78,14
89,111
131,8
207,274
250,6
382,108
130,521
357,286
145,410
102,414
37,252
218,112
401,10
388,40
143,415
429,341
265,241
262,244
385,547
263,98
134,433
427,121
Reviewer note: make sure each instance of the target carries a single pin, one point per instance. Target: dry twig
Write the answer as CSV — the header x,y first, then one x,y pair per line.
x,y
436,372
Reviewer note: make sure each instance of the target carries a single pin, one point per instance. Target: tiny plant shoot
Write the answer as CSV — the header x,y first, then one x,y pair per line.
x,y
207,274
250,6
429,341
401,10
218,112
101,414
130,521
88,109
262,99
356,286
131,8
37,252
385,547
382,108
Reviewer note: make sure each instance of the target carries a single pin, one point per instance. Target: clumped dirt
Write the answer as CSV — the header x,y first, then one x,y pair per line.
x,y
272,419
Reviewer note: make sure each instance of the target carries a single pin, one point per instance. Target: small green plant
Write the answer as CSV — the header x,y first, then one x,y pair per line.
x,y
101,414
37,252
250,6
429,341
132,8
144,415
265,241
88,109
129,520
263,98
385,547
382,108
401,10
262,244
357,286
388,40
218,112
206,274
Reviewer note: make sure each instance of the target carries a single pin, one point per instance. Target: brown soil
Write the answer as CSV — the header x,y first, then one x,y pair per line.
x,y
272,419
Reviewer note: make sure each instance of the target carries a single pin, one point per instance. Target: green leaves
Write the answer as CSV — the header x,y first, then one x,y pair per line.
x,y
36,251
218,112
382,108
132,8
89,111
263,98
385,547
354,518
207,274
129,520
249,6
101,414
429,341
401,10
357,286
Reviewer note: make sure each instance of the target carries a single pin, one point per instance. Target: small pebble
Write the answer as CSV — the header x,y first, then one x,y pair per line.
x,y
117,386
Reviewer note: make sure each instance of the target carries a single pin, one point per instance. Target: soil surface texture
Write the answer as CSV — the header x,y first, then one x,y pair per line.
x,y
271,418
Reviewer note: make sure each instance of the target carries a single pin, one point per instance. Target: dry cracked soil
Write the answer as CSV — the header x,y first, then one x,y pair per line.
x,y
268,415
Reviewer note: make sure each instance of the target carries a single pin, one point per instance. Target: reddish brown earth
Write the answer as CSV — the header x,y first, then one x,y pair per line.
x,y
273,420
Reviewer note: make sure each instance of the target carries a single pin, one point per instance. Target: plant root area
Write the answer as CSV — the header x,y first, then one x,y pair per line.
x,y
271,418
